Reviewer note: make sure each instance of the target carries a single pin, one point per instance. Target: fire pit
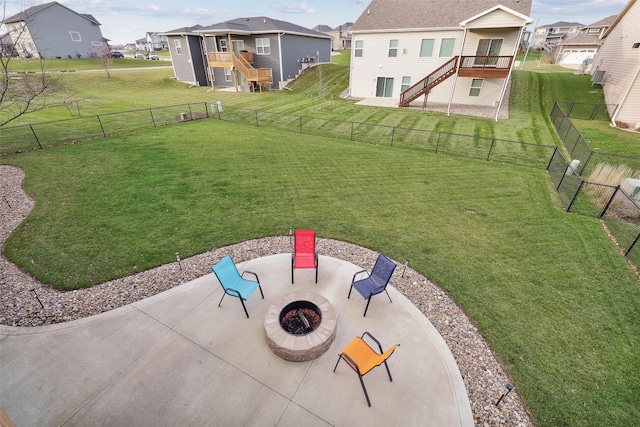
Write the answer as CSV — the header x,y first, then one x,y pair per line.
x,y
300,326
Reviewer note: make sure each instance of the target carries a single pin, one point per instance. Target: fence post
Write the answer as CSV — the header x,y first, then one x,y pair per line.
x,y
206,108
152,119
626,253
351,136
553,155
438,142
493,140
190,113
575,196
35,136
393,132
595,111
586,162
104,134
573,103
256,118
606,207
568,130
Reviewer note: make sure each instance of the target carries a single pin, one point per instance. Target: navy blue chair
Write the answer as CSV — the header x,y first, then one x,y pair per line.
x,y
376,282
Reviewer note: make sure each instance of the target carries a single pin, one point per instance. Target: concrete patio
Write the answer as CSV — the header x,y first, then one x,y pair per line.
x,y
178,359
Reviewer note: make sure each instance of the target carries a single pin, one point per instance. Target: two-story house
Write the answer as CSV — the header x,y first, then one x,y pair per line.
x,y
617,67
52,30
579,51
446,52
249,53
547,37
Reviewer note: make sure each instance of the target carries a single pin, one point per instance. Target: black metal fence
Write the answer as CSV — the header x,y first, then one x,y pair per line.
x,y
16,139
619,210
490,149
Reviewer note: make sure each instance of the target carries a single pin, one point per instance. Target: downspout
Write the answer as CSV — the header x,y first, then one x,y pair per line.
x,y
455,80
506,81
281,84
624,98
352,55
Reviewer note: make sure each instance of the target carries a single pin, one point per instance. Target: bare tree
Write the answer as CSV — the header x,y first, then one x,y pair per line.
x,y
104,58
22,89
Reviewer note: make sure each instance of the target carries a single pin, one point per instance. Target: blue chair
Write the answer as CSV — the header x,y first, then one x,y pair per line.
x,y
376,282
233,283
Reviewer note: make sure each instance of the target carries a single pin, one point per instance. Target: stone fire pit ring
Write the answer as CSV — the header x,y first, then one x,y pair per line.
x,y
300,348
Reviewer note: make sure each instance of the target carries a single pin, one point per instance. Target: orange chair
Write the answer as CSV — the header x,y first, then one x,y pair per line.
x,y
304,251
362,358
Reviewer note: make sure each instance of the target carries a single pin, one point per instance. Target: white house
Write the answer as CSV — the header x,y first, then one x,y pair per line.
x,y
578,52
447,52
617,67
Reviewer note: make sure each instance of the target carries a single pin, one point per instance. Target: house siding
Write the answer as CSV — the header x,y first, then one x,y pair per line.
x,y
621,62
295,48
182,67
366,70
50,28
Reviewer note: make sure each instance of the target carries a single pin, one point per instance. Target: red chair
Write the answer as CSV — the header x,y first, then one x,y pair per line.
x,y
304,251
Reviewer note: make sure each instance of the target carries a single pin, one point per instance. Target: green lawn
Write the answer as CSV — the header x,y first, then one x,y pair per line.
x,y
548,289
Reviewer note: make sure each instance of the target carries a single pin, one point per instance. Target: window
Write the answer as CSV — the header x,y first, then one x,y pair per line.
x,y
359,48
476,86
426,48
227,74
96,44
384,89
406,83
488,47
263,47
446,48
224,47
393,48
237,46
593,30
178,44
75,36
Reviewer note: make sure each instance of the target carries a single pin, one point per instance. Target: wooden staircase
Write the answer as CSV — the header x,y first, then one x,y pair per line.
x,y
242,63
423,87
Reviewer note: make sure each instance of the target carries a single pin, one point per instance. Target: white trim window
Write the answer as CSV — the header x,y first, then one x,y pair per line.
x,y
384,87
359,48
446,47
426,48
178,44
476,87
406,83
224,46
227,74
75,36
393,48
96,44
263,46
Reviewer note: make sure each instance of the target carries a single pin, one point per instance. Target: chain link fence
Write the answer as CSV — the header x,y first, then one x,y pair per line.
x,y
16,139
490,149
619,210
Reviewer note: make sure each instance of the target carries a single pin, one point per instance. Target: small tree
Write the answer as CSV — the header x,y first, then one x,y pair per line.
x,y
22,90
104,58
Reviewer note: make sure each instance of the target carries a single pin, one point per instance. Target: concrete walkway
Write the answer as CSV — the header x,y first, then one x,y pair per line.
x,y
178,359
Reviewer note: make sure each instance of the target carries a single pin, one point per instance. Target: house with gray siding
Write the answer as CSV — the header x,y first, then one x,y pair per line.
x,y
253,53
52,30
188,55
451,53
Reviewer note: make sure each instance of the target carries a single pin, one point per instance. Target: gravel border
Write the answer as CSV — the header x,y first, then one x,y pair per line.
x,y
483,374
